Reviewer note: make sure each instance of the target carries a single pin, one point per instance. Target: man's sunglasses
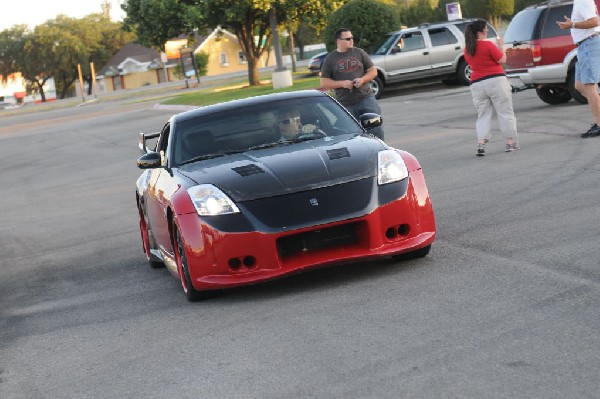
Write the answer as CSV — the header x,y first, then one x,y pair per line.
x,y
347,38
293,119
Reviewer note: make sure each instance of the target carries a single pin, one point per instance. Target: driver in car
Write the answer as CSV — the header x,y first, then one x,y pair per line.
x,y
289,125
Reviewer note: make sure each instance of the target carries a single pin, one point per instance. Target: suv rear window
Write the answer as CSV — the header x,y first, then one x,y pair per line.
x,y
550,28
441,36
523,25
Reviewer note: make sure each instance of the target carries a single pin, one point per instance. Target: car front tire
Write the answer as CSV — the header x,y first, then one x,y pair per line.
x,y
192,294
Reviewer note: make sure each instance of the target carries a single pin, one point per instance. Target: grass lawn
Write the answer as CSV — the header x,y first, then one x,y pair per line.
x,y
301,81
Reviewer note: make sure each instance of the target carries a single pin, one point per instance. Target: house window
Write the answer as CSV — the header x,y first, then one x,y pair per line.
x,y
224,61
242,57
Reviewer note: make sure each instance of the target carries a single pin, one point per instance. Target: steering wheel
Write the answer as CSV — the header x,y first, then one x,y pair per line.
x,y
315,134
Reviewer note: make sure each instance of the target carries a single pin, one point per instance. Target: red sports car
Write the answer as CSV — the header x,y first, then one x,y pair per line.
x,y
227,199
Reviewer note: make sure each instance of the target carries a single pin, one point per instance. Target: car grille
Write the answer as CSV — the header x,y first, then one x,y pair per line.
x,y
316,240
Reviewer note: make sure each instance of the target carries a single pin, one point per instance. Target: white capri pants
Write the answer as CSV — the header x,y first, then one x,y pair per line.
x,y
494,94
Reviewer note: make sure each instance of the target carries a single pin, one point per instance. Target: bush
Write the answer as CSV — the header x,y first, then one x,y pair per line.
x,y
201,59
368,20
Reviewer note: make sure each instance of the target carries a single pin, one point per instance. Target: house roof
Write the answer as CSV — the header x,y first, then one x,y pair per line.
x,y
144,55
130,50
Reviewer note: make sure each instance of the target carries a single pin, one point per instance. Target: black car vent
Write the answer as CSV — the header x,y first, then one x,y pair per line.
x,y
248,170
338,153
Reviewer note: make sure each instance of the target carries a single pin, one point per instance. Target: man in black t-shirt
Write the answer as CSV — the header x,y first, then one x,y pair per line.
x,y
347,71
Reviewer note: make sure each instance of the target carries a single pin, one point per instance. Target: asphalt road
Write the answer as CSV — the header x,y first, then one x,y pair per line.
x,y
505,306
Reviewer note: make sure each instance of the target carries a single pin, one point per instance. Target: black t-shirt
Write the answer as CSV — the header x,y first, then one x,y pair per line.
x,y
348,66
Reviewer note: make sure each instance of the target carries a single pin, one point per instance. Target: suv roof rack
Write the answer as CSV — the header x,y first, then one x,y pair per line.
x,y
426,24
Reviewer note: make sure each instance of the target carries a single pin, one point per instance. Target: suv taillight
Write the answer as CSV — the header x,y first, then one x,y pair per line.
x,y
536,52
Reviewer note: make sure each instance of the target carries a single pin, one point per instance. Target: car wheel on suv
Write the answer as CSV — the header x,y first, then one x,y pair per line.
x,y
577,96
553,94
377,87
463,72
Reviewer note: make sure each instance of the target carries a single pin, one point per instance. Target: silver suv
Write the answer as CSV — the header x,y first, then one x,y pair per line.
x,y
428,51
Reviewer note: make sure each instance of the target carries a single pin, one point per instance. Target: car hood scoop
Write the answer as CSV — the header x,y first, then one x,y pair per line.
x,y
290,168
248,170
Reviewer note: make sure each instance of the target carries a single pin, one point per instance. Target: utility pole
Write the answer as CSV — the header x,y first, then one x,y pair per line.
x,y
282,77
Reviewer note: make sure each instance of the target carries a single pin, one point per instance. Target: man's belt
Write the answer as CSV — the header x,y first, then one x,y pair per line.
x,y
589,37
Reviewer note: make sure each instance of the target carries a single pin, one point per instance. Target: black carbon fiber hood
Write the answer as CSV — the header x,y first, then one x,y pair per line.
x,y
289,168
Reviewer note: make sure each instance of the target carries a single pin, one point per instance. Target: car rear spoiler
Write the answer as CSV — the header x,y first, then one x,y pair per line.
x,y
142,143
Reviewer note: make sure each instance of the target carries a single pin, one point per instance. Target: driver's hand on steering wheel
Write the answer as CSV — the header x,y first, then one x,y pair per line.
x,y
308,128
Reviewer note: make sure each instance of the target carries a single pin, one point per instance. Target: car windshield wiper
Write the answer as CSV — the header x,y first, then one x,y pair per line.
x,y
231,152
202,158
267,145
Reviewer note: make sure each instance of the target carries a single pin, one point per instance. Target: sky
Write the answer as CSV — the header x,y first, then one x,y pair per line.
x,y
36,12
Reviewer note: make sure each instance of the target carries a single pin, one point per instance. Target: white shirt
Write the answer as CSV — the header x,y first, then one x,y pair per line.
x,y
583,10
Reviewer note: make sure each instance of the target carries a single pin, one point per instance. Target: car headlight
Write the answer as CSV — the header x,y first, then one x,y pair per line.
x,y
390,167
210,201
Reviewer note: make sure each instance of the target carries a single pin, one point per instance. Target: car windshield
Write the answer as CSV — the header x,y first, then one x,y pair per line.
x,y
260,126
385,44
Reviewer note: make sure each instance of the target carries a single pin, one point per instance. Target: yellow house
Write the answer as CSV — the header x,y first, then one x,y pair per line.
x,y
225,54
136,65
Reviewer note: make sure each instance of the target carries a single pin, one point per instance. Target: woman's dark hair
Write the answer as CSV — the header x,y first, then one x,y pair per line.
x,y
471,35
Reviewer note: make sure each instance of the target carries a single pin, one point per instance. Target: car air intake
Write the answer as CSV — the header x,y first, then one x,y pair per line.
x,y
338,236
338,153
248,170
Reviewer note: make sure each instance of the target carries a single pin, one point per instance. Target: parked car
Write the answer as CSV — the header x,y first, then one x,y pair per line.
x,y
315,62
542,56
223,201
428,51
7,105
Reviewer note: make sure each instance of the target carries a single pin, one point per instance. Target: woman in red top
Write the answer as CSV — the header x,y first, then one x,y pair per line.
x,y
489,86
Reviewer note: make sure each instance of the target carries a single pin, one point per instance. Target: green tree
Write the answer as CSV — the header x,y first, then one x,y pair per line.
x,y
305,20
418,12
492,10
102,39
11,48
305,34
521,4
50,52
157,21
56,48
368,20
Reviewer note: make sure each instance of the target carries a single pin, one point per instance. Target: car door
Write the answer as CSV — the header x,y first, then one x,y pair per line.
x,y
409,58
158,196
445,47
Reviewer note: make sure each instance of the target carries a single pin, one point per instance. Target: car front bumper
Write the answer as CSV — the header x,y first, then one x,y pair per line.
x,y
220,259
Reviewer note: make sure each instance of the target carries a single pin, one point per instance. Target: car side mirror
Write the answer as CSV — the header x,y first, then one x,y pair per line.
x,y
150,160
370,120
